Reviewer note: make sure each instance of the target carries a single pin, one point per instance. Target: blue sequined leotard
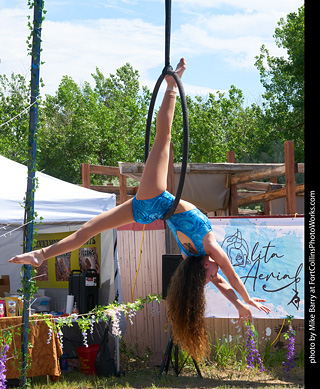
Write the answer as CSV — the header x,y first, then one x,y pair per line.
x,y
193,223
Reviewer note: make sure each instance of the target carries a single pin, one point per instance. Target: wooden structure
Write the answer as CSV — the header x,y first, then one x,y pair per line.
x,y
246,188
248,180
123,192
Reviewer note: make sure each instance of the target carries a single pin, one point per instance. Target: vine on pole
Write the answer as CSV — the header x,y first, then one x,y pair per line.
x,y
35,47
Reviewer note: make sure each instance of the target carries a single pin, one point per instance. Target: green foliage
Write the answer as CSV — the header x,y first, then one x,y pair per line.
x,y
105,123
125,108
14,95
229,354
102,125
66,131
283,80
218,124
132,358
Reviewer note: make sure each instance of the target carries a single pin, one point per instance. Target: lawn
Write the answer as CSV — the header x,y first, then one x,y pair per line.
x,y
227,367
213,377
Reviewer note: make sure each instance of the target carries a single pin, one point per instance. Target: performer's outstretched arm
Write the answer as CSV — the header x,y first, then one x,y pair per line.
x,y
228,292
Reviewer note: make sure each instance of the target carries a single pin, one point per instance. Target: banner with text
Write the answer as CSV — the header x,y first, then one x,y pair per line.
x,y
268,255
54,273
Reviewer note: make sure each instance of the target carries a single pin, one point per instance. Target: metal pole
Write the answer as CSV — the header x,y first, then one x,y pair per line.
x,y
29,203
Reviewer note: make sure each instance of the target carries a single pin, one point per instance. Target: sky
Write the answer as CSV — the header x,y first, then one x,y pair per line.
x,y
218,38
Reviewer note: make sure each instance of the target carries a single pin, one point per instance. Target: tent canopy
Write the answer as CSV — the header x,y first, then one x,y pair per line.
x,y
56,201
63,206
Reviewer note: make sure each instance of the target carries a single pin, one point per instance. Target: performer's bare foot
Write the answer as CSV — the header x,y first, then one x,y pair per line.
x,y
181,67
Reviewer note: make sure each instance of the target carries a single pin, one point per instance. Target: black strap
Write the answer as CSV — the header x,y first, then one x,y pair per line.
x,y
169,71
167,33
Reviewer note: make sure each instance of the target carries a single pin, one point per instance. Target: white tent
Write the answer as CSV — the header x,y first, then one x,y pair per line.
x,y
56,201
64,207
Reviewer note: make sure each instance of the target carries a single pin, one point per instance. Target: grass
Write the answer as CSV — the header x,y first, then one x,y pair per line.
x,y
213,377
227,369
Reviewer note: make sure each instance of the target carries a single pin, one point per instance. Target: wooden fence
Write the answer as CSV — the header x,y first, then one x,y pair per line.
x,y
252,191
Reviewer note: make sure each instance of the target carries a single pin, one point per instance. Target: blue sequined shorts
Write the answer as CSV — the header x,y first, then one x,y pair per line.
x,y
149,210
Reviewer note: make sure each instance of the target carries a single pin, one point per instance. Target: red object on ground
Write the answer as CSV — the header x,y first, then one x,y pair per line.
x,y
87,357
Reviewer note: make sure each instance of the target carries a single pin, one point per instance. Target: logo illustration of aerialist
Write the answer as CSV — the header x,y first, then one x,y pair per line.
x,y
237,249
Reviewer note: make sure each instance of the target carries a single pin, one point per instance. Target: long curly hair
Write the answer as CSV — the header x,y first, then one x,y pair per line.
x,y
186,307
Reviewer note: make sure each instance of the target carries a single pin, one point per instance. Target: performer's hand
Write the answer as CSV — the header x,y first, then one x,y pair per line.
x,y
244,314
255,302
34,258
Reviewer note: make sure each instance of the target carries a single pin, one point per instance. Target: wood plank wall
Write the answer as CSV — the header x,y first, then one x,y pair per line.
x,y
149,331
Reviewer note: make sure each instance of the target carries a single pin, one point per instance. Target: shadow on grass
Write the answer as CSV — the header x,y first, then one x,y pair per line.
x,y
149,378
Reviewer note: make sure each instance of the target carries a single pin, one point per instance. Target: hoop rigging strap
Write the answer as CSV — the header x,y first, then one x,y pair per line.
x,y
169,71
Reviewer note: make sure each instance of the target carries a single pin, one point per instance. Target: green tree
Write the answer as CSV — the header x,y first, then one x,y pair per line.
x,y
66,131
126,107
218,124
106,123
283,80
14,117
102,125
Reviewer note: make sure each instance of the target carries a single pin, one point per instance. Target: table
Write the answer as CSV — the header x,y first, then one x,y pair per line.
x,y
72,339
44,357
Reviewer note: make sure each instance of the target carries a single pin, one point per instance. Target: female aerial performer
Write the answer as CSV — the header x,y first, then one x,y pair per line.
x,y
192,230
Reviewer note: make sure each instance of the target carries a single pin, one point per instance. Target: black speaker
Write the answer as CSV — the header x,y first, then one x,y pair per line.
x,y
74,285
84,286
170,262
89,286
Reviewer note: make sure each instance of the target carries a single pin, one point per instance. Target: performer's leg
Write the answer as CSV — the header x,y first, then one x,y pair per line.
x,y
153,182
113,218
154,178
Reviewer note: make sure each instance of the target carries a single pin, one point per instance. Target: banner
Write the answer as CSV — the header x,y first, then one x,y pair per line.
x,y
54,273
268,255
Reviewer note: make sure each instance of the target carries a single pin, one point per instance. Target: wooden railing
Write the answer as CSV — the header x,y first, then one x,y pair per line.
x,y
122,192
248,180
246,187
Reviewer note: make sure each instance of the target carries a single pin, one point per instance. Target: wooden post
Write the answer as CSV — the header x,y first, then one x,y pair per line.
x,y
266,208
290,177
123,187
85,170
233,189
267,204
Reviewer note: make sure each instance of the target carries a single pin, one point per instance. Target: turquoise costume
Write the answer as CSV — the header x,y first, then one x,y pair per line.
x,y
192,223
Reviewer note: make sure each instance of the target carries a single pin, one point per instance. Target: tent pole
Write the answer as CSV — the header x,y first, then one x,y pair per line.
x,y
29,203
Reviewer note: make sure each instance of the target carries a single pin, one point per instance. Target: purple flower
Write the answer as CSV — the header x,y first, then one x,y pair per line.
x,y
3,357
252,350
290,335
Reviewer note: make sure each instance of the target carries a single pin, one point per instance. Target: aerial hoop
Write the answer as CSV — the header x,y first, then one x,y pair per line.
x,y
169,71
